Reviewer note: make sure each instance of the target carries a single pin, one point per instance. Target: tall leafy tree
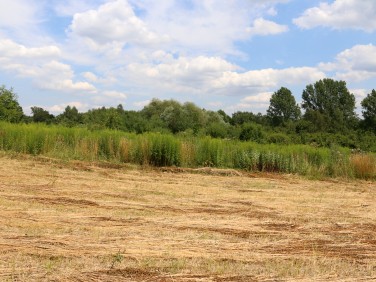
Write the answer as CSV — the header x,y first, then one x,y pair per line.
x,y
113,119
195,116
330,102
41,115
157,116
70,117
10,109
154,109
175,116
134,121
283,107
226,117
369,110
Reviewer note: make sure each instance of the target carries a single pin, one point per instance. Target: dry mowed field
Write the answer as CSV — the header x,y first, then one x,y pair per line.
x,y
74,221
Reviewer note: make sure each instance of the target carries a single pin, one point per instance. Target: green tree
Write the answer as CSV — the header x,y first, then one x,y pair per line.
x,y
154,109
369,110
283,107
226,117
134,121
120,109
158,117
174,116
240,118
10,109
195,117
70,117
213,117
217,129
113,119
41,115
331,101
252,132
95,118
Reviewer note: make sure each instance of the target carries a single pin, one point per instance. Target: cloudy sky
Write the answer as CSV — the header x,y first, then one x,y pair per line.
x,y
219,54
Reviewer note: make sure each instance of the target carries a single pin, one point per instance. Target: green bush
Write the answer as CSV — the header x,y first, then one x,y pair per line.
x,y
252,132
278,138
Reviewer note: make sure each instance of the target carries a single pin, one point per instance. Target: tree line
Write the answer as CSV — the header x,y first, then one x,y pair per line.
x,y
325,117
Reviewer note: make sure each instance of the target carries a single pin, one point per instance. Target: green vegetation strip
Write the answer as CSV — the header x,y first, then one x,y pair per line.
x,y
157,149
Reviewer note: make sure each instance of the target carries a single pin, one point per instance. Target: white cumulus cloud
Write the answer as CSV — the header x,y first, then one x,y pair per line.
x,y
206,26
184,73
115,94
268,78
265,27
17,13
258,98
10,49
341,14
41,65
58,76
354,64
112,22
110,97
213,76
142,104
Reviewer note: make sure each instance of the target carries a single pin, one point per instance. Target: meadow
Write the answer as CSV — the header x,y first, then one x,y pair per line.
x,y
84,221
164,150
104,205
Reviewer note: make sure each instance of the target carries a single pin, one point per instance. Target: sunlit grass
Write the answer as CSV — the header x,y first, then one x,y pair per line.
x,y
156,149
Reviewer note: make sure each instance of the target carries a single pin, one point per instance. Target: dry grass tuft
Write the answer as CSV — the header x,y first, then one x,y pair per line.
x,y
364,166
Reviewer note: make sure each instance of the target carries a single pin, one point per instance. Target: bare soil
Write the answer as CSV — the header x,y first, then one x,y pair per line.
x,y
75,221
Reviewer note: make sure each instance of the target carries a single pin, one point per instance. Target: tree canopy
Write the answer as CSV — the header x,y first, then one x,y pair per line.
x,y
329,118
283,107
329,102
70,116
369,110
41,115
10,109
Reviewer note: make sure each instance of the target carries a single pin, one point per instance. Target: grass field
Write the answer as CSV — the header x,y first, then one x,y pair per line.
x,y
159,150
77,221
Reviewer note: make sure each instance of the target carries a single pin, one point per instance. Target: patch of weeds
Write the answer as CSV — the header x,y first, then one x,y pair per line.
x,y
177,265
116,258
51,264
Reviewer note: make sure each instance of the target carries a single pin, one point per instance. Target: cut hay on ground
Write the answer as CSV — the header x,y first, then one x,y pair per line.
x,y
64,221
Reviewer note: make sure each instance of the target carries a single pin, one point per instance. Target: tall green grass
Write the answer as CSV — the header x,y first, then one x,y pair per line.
x,y
157,149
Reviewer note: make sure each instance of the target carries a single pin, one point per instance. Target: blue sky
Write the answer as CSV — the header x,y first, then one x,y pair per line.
x,y
222,54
